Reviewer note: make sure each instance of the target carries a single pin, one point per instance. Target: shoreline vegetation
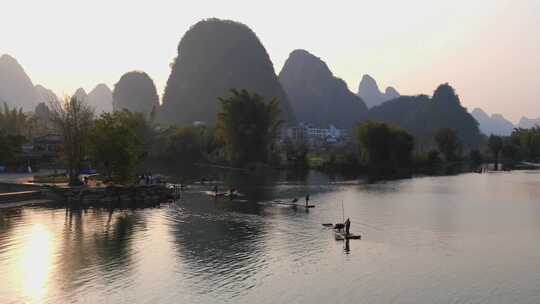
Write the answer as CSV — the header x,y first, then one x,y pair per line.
x,y
247,138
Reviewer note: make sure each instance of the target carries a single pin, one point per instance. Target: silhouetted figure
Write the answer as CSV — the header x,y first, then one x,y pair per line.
x,y
307,200
347,246
215,189
232,193
347,226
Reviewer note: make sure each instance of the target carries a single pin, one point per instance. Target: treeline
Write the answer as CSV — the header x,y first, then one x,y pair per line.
x,y
246,133
521,145
116,143
16,128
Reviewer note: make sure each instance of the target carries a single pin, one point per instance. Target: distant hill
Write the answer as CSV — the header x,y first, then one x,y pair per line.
x,y
80,94
316,95
101,99
527,123
369,91
45,95
422,116
16,88
136,92
215,56
495,124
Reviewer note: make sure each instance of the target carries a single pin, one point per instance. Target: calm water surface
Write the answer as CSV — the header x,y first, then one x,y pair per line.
x,y
472,238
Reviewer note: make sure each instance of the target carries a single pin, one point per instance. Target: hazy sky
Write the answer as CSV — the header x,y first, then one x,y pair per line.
x,y
488,50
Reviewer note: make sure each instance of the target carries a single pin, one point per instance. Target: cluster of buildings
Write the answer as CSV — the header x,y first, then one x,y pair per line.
x,y
314,134
42,150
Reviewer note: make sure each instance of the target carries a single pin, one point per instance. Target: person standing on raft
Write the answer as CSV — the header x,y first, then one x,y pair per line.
x,y
347,226
307,200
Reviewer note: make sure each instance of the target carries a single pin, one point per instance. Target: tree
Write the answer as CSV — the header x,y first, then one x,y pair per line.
x,y
114,145
15,122
11,145
296,153
248,126
384,145
73,119
475,157
185,144
448,143
495,145
528,141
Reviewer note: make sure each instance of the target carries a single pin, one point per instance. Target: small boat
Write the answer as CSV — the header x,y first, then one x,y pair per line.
x,y
294,205
223,194
216,194
340,235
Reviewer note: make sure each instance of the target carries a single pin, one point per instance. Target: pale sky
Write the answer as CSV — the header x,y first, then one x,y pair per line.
x,y
489,50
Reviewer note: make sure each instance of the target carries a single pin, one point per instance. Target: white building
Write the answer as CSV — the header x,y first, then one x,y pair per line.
x,y
307,132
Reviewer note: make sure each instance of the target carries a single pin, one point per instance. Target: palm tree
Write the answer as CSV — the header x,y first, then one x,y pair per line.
x,y
248,126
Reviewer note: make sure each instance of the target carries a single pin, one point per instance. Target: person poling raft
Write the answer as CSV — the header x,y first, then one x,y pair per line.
x,y
294,203
340,235
231,193
342,231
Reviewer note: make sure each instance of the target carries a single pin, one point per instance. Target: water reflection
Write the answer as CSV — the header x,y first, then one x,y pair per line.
x,y
472,237
36,262
218,247
96,243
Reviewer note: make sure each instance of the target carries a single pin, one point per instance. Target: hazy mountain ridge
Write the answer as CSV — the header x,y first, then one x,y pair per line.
x,y
45,95
215,56
316,95
495,124
423,116
80,94
369,91
101,98
527,123
16,88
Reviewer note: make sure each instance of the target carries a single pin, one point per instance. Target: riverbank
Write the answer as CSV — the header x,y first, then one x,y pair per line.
x,y
112,196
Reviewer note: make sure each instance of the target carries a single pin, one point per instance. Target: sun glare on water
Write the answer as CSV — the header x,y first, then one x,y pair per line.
x,y
36,263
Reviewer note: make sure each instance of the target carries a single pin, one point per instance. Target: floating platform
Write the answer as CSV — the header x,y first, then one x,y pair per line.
x,y
341,235
293,205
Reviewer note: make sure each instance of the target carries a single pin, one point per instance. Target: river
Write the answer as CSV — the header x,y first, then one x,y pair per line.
x,y
468,238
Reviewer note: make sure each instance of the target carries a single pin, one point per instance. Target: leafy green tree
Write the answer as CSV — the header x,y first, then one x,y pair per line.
x,y
510,150
495,145
74,120
384,145
115,146
448,143
11,145
433,158
15,122
185,145
528,141
475,157
296,153
248,126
